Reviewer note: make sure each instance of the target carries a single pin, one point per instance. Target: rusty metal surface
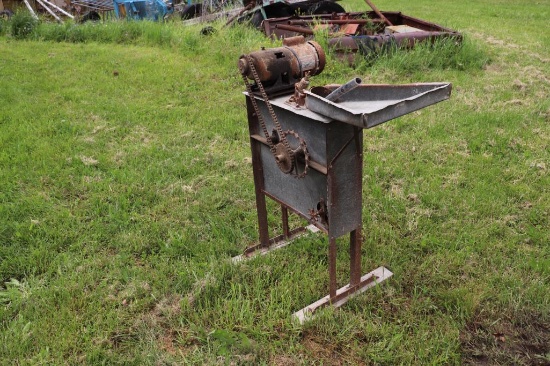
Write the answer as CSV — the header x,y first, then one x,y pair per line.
x,y
298,99
278,69
309,22
369,105
329,197
295,29
375,9
368,25
343,294
373,44
332,284
299,195
257,168
355,243
301,60
335,146
345,172
330,141
286,236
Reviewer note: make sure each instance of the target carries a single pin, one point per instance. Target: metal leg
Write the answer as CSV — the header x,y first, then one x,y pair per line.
x,y
358,284
343,294
355,256
332,267
262,220
266,243
286,230
261,206
257,169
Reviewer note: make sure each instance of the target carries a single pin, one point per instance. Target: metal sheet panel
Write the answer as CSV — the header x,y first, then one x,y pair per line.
x,y
370,105
309,125
336,145
300,195
344,149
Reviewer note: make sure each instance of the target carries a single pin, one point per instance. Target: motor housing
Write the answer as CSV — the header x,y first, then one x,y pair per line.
x,y
278,69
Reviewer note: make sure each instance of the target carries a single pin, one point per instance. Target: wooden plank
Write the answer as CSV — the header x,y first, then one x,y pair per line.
x,y
58,8
50,11
31,10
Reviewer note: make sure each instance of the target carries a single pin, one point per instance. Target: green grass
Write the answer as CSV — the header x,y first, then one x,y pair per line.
x,y
126,185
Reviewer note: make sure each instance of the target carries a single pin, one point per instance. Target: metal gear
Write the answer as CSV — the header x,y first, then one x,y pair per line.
x,y
284,155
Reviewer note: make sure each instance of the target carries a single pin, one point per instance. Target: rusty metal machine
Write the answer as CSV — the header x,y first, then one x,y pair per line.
x,y
307,150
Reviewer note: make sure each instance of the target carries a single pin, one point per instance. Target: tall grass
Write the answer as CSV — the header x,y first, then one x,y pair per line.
x,y
442,54
22,25
121,32
439,54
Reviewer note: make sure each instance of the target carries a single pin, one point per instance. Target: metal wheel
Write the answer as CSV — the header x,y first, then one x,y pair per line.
x,y
325,7
6,14
91,16
191,11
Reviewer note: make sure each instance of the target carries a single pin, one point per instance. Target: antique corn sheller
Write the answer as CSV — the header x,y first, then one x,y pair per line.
x,y
307,149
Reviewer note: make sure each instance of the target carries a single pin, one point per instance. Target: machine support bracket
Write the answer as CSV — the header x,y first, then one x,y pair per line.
x,y
275,243
343,294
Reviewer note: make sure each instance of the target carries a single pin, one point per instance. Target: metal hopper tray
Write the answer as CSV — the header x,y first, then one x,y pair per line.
x,y
369,105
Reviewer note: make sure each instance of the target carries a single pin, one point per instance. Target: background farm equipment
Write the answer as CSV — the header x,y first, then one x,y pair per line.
x,y
283,8
92,10
59,10
365,33
143,9
256,12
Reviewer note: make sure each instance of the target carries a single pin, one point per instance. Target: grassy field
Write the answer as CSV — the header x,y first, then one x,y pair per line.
x,y
126,185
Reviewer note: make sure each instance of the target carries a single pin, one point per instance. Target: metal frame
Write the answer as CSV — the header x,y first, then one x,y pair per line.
x,y
342,165
343,294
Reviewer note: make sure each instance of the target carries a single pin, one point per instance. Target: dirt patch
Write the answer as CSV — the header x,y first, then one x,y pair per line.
x,y
523,339
284,360
166,342
509,45
327,353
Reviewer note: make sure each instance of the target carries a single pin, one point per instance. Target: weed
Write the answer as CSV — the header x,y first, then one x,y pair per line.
x,y
442,54
22,25
3,26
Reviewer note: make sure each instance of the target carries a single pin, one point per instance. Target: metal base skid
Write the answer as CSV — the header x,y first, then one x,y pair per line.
x,y
275,243
336,298
343,294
